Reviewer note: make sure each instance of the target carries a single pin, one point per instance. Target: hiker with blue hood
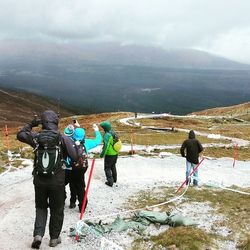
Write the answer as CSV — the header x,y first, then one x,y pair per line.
x,y
190,149
75,171
50,148
109,153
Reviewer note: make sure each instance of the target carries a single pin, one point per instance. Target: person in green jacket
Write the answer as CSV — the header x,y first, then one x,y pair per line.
x,y
109,154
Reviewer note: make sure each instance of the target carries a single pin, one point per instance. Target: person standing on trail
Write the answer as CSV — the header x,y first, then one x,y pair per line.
x,y
190,149
50,148
109,153
76,170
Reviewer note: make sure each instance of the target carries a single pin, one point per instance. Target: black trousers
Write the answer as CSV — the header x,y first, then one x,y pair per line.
x,y
68,180
76,180
49,196
110,168
77,186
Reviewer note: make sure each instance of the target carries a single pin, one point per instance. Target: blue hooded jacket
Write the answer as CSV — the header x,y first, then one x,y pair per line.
x,y
79,135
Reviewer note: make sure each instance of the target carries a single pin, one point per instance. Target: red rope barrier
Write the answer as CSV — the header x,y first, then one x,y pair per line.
x,y
86,193
189,175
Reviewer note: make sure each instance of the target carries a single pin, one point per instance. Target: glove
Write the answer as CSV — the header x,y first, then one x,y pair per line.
x,y
95,127
35,122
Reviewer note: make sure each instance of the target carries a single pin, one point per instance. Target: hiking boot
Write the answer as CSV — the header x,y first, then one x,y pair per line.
x,y
55,242
36,242
72,205
108,184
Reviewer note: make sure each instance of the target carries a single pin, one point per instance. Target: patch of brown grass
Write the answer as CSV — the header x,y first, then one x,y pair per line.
x,y
185,238
136,135
240,109
242,155
234,206
172,122
244,244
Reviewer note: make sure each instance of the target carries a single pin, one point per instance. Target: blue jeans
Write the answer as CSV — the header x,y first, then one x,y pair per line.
x,y
190,166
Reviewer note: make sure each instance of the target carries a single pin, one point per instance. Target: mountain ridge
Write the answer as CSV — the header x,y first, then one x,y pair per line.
x,y
112,54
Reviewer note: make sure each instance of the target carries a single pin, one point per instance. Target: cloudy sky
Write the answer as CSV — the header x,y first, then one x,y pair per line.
x,y
218,26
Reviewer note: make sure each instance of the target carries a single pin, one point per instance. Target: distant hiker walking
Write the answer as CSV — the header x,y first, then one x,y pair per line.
x,y
109,153
75,171
191,149
50,148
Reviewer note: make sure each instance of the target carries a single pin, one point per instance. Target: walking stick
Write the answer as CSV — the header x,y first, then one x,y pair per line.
x,y
86,193
189,175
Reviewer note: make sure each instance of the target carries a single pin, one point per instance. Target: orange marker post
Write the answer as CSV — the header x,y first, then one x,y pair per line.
x,y
6,133
235,154
132,149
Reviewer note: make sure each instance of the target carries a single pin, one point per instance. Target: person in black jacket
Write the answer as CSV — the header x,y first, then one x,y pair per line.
x,y
49,190
191,148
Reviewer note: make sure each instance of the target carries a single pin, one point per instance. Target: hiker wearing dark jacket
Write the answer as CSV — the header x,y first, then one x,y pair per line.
x,y
191,148
49,189
109,154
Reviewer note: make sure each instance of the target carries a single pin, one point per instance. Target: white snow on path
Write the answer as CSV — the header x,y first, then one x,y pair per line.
x,y
135,173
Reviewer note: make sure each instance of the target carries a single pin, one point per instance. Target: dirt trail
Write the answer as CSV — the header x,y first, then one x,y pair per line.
x,y
241,143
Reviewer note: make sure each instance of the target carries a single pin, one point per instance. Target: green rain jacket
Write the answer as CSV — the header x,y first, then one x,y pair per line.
x,y
107,140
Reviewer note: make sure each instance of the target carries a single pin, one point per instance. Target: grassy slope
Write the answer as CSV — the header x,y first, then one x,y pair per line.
x,y
240,111
228,127
16,107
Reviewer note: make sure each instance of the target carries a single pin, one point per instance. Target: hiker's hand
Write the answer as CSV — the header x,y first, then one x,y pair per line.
x,y
76,123
95,127
35,122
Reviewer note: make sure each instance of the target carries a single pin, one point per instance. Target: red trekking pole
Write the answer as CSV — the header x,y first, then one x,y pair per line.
x,y
86,193
189,175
